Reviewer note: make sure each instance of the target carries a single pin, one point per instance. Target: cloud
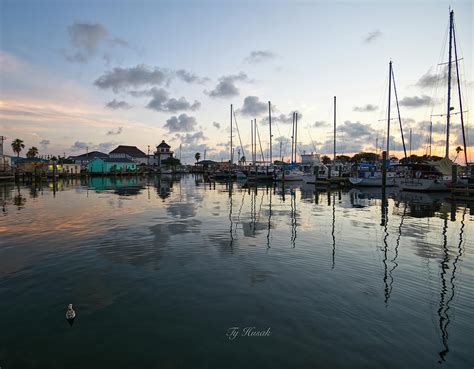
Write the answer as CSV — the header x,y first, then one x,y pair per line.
x,y
365,108
253,106
191,138
190,77
116,132
181,123
123,78
259,56
355,129
226,87
144,75
161,101
282,118
119,42
114,105
372,36
434,78
424,126
102,147
320,123
85,39
416,101
44,144
217,125
78,145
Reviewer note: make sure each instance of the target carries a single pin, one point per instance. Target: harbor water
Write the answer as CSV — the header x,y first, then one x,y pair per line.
x,y
167,272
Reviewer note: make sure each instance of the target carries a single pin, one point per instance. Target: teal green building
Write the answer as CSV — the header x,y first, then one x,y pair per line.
x,y
111,165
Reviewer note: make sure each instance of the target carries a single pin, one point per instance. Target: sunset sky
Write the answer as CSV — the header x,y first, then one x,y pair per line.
x,y
96,74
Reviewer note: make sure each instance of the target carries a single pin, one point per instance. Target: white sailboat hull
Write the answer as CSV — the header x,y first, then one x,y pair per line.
x,y
371,182
289,178
424,184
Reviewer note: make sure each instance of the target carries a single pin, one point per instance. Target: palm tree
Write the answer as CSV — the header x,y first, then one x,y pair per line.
x,y
32,152
197,156
458,150
17,146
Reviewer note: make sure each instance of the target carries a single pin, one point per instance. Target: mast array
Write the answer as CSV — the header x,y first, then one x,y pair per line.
x,y
448,113
334,156
388,109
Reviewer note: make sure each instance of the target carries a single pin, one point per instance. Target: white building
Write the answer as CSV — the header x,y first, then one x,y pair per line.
x,y
162,152
130,152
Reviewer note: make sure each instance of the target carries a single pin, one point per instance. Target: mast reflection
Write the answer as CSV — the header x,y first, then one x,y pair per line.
x,y
293,218
333,230
445,298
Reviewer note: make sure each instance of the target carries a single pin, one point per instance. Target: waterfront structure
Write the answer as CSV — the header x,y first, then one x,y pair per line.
x,y
5,160
162,152
132,153
69,167
35,166
111,165
84,159
5,163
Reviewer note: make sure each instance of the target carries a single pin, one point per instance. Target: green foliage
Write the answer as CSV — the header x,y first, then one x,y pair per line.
x,y
32,152
171,162
326,159
343,159
365,157
17,146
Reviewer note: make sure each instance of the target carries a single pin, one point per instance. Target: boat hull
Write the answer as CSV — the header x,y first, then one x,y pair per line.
x,y
371,182
289,178
425,184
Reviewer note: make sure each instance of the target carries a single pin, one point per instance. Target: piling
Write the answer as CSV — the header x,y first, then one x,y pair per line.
x,y
454,174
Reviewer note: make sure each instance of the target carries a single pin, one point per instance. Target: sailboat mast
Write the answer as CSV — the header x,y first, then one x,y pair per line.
x,y
431,134
255,139
251,138
231,152
448,114
388,108
399,116
296,132
270,125
460,96
410,144
292,137
334,156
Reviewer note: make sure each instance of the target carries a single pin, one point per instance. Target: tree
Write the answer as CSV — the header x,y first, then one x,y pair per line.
x,y
171,162
343,158
326,159
197,156
368,157
458,150
32,152
17,146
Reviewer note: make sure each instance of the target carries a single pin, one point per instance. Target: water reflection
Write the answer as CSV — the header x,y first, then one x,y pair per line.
x,y
173,233
448,284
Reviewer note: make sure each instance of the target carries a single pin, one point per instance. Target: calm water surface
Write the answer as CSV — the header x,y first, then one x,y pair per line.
x,y
160,269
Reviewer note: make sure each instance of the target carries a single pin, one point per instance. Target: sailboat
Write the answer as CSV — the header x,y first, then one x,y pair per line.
x,y
370,175
263,171
291,173
437,175
321,173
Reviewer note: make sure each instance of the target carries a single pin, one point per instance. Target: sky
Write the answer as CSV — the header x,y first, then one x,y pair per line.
x,y
91,75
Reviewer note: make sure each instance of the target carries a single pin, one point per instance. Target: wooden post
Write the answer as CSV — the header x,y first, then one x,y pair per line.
x,y
384,169
454,174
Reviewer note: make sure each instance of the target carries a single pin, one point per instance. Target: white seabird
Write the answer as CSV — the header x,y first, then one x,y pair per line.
x,y
70,313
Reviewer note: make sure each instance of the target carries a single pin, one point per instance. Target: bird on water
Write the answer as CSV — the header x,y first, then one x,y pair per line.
x,y
70,314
